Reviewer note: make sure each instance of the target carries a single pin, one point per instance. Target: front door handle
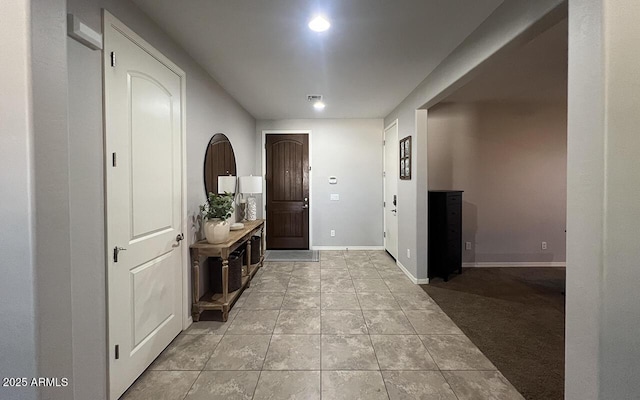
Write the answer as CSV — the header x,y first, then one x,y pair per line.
x,y
180,237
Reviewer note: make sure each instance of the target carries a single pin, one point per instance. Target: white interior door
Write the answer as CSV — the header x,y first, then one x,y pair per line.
x,y
391,173
143,136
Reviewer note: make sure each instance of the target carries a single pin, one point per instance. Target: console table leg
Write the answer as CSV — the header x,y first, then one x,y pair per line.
x,y
248,258
225,279
263,247
195,289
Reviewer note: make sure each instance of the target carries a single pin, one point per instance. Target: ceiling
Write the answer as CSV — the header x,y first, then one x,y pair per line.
x,y
535,72
265,56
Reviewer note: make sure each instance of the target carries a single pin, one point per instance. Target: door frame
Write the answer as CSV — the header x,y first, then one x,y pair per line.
x,y
111,22
384,186
307,132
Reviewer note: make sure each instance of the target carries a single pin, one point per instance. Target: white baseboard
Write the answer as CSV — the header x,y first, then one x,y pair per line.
x,y
410,276
371,248
519,264
188,322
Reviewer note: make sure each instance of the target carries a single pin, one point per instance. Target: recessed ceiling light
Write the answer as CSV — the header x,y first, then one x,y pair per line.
x,y
318,105
319,24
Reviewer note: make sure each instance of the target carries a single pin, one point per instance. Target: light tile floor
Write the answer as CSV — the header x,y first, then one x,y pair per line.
x,y
351,326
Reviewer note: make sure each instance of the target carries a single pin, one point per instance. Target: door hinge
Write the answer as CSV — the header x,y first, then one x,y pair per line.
x,y
384,204
113,58
117,250
384,174
309,167
117,351
384,142
384,234
113,159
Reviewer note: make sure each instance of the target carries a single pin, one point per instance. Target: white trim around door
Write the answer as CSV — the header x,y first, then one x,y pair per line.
x,y
389,173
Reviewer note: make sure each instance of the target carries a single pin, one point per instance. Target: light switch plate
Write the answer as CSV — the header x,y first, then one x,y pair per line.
x,y
335,197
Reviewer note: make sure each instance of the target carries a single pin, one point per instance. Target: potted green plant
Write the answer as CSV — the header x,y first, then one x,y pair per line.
x,y
215,212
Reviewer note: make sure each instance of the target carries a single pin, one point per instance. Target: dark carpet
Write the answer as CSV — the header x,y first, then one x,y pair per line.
x,y
516,317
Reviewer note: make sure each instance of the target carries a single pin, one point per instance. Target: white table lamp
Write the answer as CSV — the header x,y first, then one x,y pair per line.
x,y
226,184
251,185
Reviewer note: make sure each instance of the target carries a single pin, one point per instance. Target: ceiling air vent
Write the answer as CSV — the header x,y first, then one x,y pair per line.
x,y
314,97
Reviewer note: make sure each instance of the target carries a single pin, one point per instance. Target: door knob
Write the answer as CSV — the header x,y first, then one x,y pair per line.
x,y
179,237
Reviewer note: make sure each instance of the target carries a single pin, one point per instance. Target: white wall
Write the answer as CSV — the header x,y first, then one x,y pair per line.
x,y
510,159
17,289
620,343
351,150
603,311
511,24
585,199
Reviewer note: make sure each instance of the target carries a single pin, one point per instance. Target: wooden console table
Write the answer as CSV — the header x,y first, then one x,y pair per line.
x,y
225,300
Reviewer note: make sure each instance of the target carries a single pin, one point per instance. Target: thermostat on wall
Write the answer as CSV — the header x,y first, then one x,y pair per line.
x,y
333,180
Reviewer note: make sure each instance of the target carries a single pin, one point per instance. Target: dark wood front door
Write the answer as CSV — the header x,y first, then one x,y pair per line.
x,y
287,191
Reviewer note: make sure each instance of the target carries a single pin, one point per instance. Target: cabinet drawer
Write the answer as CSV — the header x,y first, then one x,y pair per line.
x,y
454,220
455,198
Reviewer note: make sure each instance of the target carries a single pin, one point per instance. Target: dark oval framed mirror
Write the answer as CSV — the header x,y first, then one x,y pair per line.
x,y
218,160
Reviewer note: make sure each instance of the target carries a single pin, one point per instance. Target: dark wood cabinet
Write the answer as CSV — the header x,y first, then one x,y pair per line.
x,y
445,233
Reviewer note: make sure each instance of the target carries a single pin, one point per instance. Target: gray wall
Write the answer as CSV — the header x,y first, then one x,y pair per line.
x,y
17,289
351,150
510,159
512,24
52,195
69,181
603,311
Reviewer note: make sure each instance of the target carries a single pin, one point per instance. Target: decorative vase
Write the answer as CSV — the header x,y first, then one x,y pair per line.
x,y
216,231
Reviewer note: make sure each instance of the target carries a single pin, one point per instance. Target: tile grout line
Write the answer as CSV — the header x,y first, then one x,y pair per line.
x,y
425,347
448,384
268,346
375,354
204,366
193,383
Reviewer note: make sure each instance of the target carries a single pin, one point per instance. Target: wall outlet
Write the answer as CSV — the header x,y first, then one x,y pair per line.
x,y
467,245
333,233
408,253
544,245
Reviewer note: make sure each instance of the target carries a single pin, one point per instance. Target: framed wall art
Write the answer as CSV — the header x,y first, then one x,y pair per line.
x,y
405,158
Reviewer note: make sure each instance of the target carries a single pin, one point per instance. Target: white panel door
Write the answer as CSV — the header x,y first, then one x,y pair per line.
x,y
391,174
143,137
